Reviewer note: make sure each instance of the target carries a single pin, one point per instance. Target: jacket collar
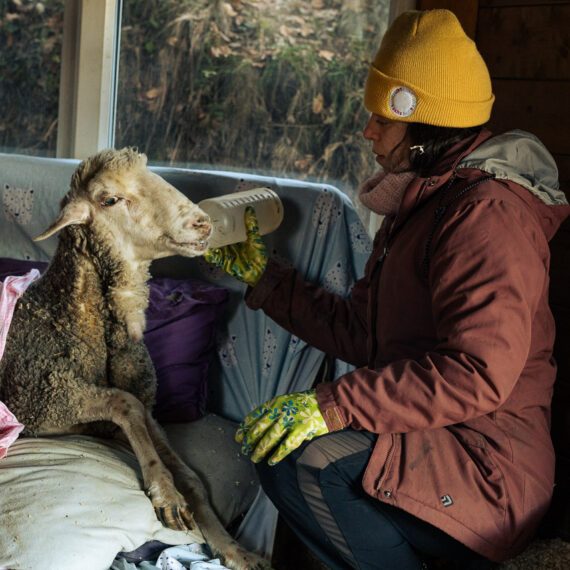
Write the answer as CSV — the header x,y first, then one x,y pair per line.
x,y
421,189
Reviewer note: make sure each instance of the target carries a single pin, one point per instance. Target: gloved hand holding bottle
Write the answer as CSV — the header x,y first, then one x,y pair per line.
x,y
245,261
284,422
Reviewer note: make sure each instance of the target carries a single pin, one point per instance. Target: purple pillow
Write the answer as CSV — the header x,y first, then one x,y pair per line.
x,y
182,318
9,266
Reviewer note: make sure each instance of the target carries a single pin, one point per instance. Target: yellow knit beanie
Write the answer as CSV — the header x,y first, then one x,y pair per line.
x,y
428,70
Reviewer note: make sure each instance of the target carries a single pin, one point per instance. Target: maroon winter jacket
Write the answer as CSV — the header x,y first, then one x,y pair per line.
x,y
451,335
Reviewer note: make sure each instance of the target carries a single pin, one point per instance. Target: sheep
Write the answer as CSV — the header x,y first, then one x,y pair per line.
x,y
74,359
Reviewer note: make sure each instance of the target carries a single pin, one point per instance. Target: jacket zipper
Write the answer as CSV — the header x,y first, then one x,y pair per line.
x,y
376,273
438,216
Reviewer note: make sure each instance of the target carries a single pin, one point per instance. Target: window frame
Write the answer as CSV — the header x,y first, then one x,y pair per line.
x,y
88,82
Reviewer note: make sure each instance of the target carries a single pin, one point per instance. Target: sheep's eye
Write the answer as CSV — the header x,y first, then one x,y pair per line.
x,y
110,201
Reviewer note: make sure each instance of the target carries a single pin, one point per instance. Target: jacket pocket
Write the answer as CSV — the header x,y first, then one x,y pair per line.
x,y
484,474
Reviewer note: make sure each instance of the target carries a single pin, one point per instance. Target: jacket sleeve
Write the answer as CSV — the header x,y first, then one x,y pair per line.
x,y
488,274
335,325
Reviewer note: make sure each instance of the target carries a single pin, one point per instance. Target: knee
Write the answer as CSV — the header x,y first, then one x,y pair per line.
x,y
279,479
270,476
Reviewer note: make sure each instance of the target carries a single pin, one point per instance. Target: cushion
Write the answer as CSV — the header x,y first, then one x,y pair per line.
x,y
180,335
182,319
208,446
73,502
76,501
30,192
10,266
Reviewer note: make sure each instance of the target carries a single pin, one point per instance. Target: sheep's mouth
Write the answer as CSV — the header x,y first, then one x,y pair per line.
x,y
196,245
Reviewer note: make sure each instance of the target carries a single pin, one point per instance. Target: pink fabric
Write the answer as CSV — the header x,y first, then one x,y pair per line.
x,y
10,291
10,428
383,192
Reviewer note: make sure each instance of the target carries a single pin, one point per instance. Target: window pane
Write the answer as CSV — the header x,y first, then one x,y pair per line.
x,y
267,85
30,59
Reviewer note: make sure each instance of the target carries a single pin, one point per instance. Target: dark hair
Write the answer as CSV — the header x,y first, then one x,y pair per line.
x,y
433,142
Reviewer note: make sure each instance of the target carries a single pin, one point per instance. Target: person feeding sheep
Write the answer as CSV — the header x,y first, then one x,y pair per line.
x,y
437,444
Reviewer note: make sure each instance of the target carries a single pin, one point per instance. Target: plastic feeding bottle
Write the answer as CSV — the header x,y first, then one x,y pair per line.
x,y
227,214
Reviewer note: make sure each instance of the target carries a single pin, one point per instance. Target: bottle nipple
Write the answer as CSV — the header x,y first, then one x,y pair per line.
x,y
227,214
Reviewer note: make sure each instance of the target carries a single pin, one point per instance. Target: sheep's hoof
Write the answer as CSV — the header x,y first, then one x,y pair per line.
x,y
176,518
260,565
238,558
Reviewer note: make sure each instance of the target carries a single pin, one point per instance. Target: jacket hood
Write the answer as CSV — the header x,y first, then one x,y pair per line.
x,y
520,157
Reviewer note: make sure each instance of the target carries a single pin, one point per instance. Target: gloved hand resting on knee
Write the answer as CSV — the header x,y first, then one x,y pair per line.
x,y
285,421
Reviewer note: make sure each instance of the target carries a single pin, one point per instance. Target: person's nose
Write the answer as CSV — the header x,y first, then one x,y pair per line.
x,y
369,131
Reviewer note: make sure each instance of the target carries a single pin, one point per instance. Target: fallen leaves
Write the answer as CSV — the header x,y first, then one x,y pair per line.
x,y
318,104
326,54
153,93
221,51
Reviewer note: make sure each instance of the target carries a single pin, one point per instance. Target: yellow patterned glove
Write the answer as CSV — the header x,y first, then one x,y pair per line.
x,y
286,420
245,261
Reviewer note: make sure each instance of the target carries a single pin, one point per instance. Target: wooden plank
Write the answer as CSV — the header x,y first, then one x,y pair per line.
x,y
399,6
540,107
487,3
466,12
563,163
526,42
560,267
560,305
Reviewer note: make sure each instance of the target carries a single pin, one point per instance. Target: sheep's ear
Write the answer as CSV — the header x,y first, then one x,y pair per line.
x,y
72,213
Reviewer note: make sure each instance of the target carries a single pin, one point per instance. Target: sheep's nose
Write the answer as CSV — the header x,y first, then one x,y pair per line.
x,y
198,222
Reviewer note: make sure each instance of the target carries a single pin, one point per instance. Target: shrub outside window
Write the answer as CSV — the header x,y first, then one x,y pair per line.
x,y
31,35
267,86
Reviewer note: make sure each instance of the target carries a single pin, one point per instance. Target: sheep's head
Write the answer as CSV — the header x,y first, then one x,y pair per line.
x,y
129,205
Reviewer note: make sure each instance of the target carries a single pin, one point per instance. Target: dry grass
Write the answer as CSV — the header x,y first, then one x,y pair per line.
x,y
272,86
265,86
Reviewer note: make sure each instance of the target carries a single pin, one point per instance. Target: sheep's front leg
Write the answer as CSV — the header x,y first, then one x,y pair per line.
x,y
220,542
125,410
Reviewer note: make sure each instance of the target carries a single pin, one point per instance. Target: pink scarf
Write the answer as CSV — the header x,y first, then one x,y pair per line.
x,y
383,192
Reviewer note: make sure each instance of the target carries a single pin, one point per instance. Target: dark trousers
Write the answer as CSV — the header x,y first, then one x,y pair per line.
x,y
317,490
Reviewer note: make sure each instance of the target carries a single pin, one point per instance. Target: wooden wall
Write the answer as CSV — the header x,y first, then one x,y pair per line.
x,y
526,44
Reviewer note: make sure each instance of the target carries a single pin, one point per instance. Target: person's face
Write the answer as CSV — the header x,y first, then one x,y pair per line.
x,y
389,142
